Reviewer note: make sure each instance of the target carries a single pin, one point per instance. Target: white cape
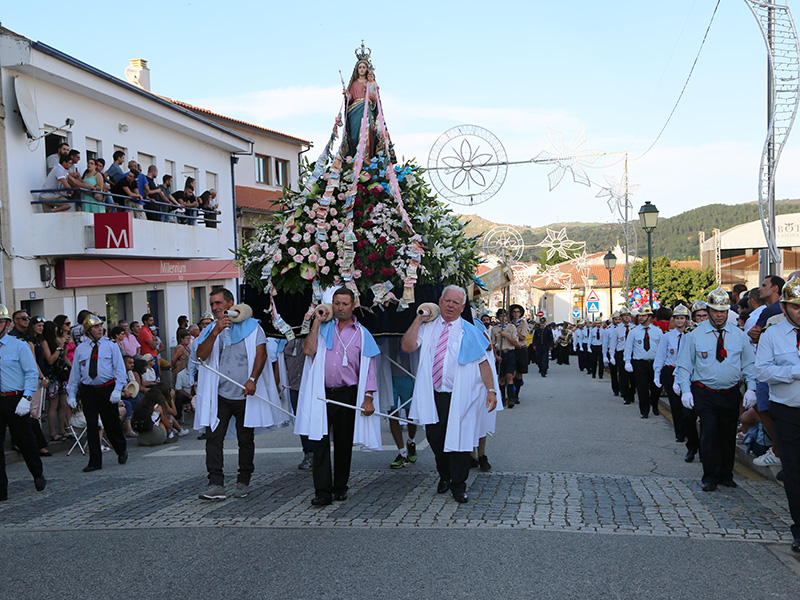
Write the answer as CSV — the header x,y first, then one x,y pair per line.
x,y
257,413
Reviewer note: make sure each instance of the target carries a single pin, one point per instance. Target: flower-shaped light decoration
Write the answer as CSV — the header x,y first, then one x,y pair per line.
x,y
618,193
554,275
581,264
467,165
557,242
522,274
573,157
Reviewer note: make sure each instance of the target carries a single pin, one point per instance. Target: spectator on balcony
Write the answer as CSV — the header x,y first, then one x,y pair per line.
x,y
188,201
130,345
93,203
127,187
115,172
208,202
101,179
55,159
75,178
58,179
166,189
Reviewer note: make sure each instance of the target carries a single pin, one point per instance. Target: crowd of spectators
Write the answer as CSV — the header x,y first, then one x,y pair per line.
x,y
115,189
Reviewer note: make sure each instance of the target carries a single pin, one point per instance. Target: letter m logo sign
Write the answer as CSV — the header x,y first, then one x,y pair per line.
x,y
113,230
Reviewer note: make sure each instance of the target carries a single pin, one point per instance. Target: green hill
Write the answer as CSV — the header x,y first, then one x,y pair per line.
x,y
675,238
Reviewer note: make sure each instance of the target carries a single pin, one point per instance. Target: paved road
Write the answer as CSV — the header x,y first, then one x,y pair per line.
x,y
585,500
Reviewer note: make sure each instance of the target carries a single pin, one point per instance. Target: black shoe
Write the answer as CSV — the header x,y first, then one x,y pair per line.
x,y
796,545
680,440
709,487
642,416
340,497
616,393
473,463
484,463
202,436
689,456
627,402
90,468
594,376
655,411
40,483
320,501
460,497
443,486
123,458
729,483
779,475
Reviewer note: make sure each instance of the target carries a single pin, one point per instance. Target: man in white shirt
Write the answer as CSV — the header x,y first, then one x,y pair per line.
x,y
57,179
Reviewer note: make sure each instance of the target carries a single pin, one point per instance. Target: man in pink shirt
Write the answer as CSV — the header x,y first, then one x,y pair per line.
x,y
130,344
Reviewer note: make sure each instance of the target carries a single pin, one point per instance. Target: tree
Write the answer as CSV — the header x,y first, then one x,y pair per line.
x,y
671,284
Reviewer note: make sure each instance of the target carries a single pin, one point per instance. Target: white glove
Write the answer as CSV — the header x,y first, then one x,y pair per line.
x,y
72,403
688,400
657,380
749,399
116,397
629,367
676,388
613,361
23,406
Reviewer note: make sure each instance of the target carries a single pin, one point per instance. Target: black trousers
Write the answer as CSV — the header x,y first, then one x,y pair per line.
x,y
626,380
97,402
452,466
645,386
786,420
245,438
562,354
543,360
612,369
341,423
305,443
719,415
21,432
596,363
583,357
680,416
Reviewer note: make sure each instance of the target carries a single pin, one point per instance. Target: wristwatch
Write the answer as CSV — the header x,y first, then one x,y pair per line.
x,y
491,390
28,398
253,379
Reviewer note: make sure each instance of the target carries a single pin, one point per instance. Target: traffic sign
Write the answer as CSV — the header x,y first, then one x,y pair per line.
x,y
593,306
593,297
576,314
540,314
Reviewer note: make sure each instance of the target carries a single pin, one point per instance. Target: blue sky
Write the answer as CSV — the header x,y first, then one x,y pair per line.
x,y
514,68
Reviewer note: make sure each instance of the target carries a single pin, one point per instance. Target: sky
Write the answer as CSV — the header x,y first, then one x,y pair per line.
x,y
513,68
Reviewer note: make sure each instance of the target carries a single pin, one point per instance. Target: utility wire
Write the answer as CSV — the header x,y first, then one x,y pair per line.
x,y
685,85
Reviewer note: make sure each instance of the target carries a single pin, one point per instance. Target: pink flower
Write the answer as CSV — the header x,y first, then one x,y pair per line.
x,y
340,195
283,239
321,262
292,250
329,255
357,274
304,251
310,228
340,226
333,212
387,271
306,237
324,245
297,237
325,270
276,257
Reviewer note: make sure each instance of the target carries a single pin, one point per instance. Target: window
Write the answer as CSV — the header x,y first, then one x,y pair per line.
x,y
155,305
211,181
281,172
188,171
198,303
118,307
247,233
145,160
262,169
169,169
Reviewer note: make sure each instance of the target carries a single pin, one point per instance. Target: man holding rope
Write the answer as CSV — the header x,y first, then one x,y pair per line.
x,y
233,353
454,386
339,380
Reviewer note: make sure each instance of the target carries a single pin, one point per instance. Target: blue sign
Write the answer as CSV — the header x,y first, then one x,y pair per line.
x,y
576,314
593,307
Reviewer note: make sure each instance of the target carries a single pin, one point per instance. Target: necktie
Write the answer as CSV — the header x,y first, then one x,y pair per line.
x,y
679,342
721,352
797,331
646,343
438,358
93,362
626,332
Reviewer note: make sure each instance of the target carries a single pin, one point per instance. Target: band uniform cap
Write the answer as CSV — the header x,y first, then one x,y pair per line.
x,y
699,305
681,311
791,291
624,311
615,314
543,320
645,311
90,321
635,312
718,299
4,316
513,306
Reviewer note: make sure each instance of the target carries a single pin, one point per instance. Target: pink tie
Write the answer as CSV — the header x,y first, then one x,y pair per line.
x,y
438,358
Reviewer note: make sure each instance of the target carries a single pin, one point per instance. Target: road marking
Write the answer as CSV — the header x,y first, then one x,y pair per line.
x,y
176,451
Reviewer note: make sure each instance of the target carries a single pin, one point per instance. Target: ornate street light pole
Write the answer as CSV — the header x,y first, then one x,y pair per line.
x,y
648,217
610,261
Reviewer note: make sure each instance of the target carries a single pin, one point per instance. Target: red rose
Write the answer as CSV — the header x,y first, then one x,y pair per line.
x,y
382,239
359,213
390,251
370,208
357,202
367,272
376,190
373,257
387,271
361,243
358,262
367,223
361,189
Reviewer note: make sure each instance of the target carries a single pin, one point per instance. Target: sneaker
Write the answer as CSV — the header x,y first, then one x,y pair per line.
x,y
183,432
213,492
307,463
400,462
483,463
171,439
241,491
768,459
412,451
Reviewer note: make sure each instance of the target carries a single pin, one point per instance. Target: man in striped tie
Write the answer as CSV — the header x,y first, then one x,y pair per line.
x,y
454,385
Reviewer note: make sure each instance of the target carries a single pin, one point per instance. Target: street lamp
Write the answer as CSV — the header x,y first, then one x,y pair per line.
x,y
582,296
648,217
610,261
592,280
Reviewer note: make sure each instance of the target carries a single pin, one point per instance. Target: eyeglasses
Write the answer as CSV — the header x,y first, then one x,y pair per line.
x,y
67,323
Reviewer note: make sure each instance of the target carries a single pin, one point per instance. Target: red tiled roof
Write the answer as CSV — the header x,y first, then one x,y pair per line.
x,y
257,199
686,264
237,121
481,269
598,271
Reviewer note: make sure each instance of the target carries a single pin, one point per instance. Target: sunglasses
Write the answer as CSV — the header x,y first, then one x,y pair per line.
x,y
23,318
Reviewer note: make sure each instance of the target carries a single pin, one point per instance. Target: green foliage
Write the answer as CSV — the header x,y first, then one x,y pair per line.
x,y
673,283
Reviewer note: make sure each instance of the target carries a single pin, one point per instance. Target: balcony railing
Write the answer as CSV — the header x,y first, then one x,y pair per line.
x,y
163,211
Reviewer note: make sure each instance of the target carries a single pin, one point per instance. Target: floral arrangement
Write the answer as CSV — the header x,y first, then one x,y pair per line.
x,y
289,252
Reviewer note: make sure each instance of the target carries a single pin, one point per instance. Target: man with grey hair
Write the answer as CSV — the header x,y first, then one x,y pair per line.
x,y
454,384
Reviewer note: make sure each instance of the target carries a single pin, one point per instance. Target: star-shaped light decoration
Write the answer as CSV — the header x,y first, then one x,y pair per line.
x,y
554,275
581,264
573,157
618,191
557,242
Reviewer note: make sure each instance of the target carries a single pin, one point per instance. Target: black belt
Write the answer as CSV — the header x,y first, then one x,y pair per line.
x,y
336,389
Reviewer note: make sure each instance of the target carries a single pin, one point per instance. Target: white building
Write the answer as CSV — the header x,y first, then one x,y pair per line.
x,y
51,263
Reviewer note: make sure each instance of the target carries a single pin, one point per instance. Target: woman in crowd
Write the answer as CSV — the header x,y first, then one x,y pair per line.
x,y
116,335
180,358
208,204
93,203
63,326
154,404
33,335
57,409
